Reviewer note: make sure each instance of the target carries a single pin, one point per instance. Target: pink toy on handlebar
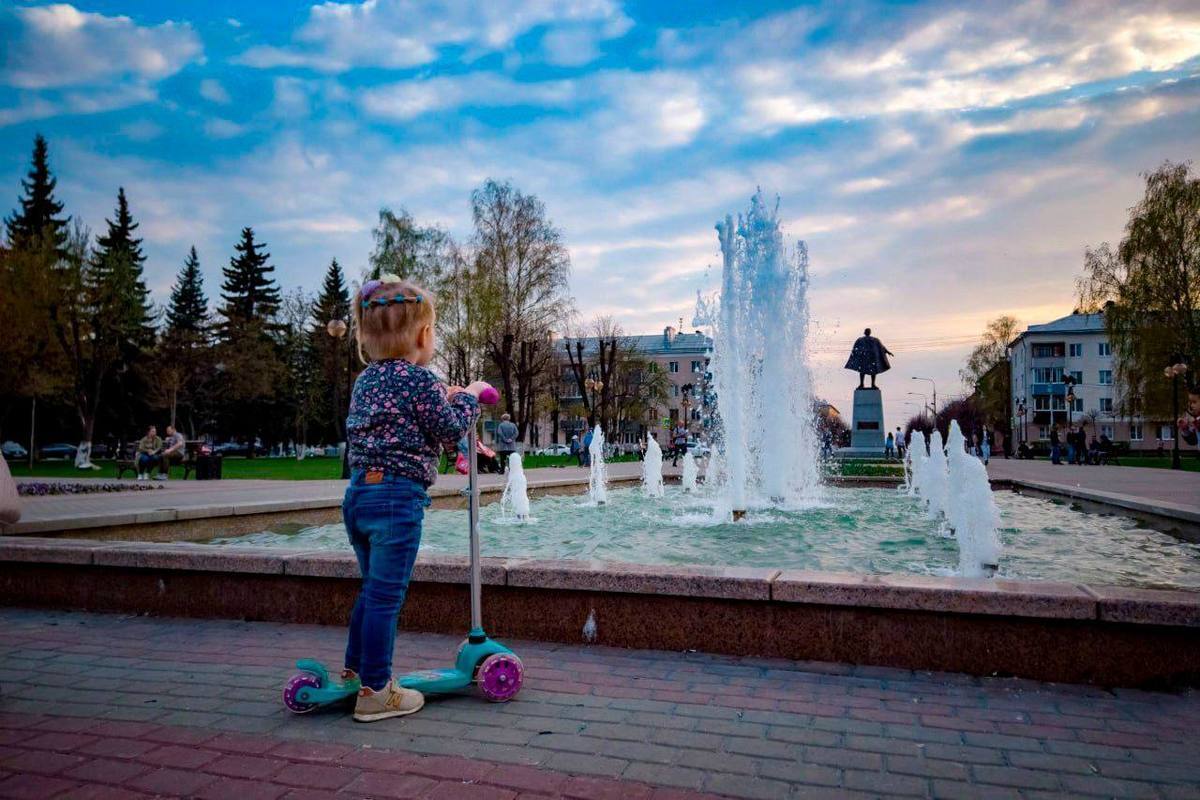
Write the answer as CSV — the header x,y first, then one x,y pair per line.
x,y
489,396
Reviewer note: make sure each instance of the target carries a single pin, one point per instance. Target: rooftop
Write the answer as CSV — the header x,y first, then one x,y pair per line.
x,y
1072,323
669,342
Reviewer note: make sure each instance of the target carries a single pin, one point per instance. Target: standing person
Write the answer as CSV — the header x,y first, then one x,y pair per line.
x,y
148,448
889,446
576,449
172,452
1070,437
587,448
679,440
900,444
1055,453
506,440
985,445
401,418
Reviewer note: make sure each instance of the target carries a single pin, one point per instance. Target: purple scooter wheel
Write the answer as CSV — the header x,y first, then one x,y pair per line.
x,y
500,677
293,687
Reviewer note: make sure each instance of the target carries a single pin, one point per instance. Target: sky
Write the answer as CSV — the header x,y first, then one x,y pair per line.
x,y
945,163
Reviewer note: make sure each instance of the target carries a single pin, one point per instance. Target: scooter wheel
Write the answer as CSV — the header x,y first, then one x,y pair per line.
x,y
500,676
297,682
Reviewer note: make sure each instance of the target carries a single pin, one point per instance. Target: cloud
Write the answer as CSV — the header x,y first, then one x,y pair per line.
x,y
92,101
400,34
212,90
58,45
407,100
218,128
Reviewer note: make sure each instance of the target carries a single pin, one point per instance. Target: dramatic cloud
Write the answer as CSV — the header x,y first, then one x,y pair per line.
x,y
59,45
944,162
399,34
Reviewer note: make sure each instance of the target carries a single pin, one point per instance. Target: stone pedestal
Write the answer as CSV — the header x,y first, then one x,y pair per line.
x,y
866,427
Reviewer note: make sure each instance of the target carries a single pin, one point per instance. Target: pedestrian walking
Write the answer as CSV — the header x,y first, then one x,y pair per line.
x,y
1055,451
506,440
889,446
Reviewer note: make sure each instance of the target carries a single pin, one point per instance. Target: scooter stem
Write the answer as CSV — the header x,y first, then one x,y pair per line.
x,y
473,518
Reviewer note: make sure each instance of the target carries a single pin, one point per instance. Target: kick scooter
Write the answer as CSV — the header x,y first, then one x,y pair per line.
x,y
484,662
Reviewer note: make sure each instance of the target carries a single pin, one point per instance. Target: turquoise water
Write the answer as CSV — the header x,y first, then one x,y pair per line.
x,y
857,530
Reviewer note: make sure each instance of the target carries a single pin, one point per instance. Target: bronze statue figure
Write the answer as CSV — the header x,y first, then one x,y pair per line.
x,y
869,357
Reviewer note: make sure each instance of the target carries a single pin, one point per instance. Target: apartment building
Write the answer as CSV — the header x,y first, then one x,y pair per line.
x,y
1075,346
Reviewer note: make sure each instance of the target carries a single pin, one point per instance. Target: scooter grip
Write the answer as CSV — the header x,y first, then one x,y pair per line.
x,y
489,396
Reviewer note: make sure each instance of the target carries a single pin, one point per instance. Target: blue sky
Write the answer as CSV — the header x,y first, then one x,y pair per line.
x,y
945,162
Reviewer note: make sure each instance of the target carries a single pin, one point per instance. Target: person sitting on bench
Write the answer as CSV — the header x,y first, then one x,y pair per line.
x,y
172,452
148,449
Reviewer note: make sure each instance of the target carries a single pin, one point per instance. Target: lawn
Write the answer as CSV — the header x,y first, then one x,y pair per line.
x,y
1187,461
281,469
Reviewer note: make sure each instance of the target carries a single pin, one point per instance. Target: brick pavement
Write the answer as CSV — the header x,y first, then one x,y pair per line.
x,y
98,706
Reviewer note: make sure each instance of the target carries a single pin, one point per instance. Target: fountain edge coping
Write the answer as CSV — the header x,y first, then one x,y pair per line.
x,y
979,596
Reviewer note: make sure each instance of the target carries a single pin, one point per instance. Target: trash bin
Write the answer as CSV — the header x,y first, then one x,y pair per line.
x,y
208,467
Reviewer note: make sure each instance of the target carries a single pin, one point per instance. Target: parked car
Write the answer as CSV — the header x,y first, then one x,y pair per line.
x,y
13,451
59,450
698,449
555,450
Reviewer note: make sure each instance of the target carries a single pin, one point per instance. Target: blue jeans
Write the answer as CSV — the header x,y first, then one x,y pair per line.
x,y
146,462
383,521
1055,457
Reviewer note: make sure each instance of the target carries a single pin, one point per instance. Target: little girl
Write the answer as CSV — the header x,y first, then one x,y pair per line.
x,y
401,417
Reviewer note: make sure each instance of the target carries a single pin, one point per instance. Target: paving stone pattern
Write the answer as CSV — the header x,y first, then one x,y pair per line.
x,y
98,706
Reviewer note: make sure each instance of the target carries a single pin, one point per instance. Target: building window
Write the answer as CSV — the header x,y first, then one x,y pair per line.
x,y
1105,349
1077,375
697,366
1078,406
1076,350
1135,431
695,415
1047,374
1047,351
1107,430
674,390
1106,377
1058,403
1106,405
672,366
673,415
1041,402
1043,432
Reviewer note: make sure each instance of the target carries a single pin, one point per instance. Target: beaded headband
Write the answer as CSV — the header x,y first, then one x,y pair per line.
x,y
369,288
390,301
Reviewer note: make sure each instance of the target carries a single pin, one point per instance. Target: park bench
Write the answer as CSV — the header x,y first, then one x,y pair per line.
x,y
127,459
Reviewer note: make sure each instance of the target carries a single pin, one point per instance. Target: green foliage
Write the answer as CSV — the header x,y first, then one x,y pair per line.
x,y
1149,290
249,293
39,214
330,357
187,311
122,317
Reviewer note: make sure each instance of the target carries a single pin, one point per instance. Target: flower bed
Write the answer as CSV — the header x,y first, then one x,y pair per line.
x,y
42,488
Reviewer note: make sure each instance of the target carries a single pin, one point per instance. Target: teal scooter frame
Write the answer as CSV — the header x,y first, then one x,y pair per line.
x,y
482,661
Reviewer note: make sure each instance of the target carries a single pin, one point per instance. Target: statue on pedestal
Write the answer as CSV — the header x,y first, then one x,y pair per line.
x,y
868,357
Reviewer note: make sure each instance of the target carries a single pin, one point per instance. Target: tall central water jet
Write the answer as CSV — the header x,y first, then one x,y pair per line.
x,y
598,472
760,364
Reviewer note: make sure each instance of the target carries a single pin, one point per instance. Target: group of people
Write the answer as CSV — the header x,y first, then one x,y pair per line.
x,y
1075,446
154,451
980,444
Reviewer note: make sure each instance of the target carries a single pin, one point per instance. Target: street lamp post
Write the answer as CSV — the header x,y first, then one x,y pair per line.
x,y
934,385
337,328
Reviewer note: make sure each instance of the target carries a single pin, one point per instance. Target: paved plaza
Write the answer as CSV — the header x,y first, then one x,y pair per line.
x,y
100,705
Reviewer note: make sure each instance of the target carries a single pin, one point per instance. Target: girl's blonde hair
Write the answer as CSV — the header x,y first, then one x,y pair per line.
x,y
388,316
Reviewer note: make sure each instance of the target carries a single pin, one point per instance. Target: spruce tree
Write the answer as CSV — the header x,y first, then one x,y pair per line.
x,y
332,355
250,295
39,212
187,311
121,299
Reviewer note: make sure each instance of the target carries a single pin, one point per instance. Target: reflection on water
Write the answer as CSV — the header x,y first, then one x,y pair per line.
x,y
855,530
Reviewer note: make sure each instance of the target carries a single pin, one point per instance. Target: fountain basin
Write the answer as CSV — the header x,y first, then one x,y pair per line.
x,y
1056,631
